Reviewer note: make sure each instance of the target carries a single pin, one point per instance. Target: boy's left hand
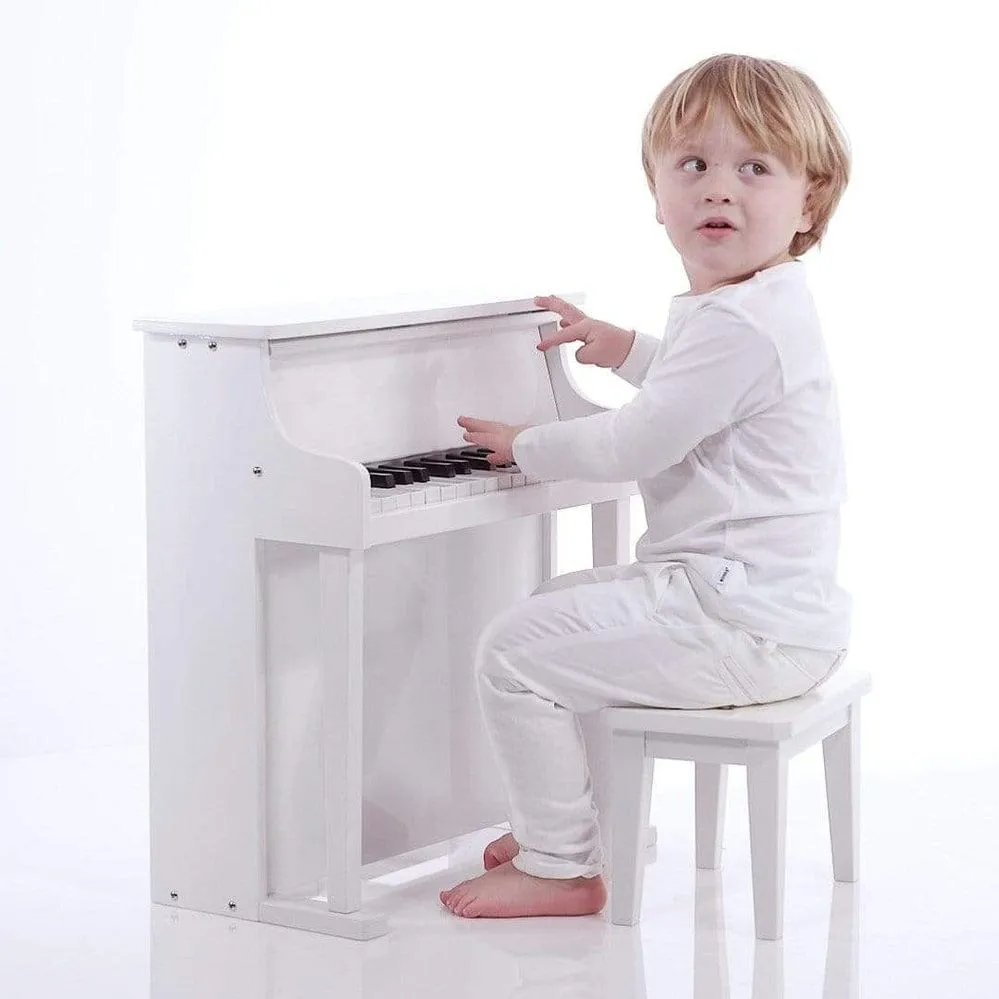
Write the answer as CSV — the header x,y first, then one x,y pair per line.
x,y
498,437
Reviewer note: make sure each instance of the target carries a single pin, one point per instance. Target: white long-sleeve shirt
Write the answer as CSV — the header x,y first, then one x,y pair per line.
x,y
734,441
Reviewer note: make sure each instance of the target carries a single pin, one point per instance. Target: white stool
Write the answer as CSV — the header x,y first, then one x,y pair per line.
x,y
763,738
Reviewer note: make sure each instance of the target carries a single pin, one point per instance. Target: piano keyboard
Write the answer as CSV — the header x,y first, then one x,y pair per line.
x,y
436,477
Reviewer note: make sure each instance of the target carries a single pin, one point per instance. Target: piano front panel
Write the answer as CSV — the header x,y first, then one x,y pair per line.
x,y
429,771
381,394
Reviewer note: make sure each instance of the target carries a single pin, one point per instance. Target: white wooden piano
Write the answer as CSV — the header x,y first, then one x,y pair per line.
x,y
312,619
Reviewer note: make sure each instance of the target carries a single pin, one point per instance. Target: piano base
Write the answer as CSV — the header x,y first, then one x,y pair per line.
x,y
371,919
308,914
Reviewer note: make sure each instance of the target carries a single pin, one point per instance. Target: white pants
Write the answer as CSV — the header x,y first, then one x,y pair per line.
x,y
622,635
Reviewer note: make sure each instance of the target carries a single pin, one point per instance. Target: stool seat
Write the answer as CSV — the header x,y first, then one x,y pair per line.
x,y
757,722
761,737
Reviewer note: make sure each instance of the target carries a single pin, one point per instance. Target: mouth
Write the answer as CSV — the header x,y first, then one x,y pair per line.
x,y
716,231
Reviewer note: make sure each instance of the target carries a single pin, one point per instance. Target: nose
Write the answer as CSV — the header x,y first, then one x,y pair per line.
x,y
714,188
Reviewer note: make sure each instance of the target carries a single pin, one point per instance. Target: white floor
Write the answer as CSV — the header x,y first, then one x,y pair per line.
x,y
76,919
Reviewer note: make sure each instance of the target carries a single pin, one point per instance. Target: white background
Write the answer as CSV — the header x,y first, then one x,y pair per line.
x,y
161,157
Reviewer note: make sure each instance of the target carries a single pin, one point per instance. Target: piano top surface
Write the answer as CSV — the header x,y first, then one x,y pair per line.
x,y
344,315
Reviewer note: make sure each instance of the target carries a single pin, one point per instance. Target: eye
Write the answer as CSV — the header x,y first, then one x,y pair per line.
x,y
697,159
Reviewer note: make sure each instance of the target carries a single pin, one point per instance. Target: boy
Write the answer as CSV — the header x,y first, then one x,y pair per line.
x,y
734,441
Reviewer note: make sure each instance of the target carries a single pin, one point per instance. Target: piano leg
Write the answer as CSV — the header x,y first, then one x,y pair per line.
x,y
611,532
341,596
549,546
341,603
611,536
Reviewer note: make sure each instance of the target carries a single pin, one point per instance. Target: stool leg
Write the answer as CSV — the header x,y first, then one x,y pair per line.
x,y
841,755
632,793
710,787
767,785
597,743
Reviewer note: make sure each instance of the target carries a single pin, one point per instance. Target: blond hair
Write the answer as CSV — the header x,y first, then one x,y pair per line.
x,y
777,107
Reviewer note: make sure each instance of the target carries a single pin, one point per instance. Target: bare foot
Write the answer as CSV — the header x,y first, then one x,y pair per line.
x,y
500,851
505,891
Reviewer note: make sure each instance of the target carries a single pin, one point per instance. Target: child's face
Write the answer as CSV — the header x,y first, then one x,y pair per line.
x,y
717,174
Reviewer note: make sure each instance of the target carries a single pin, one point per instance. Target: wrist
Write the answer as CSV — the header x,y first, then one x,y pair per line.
x,y
627,342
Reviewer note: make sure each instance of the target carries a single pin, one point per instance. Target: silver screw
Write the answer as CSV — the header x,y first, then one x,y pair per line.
x,y
258,471
213,345
232,905
181,343
173,895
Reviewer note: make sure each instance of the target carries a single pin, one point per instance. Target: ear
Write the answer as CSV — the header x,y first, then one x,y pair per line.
x,y
808,210
659,215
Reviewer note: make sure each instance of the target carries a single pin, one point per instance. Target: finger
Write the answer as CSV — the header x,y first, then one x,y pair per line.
x,y
493,456
565,309
470,423
479,440
577,331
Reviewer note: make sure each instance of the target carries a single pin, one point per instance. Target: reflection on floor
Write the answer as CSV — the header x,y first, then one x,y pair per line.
x,y
922,921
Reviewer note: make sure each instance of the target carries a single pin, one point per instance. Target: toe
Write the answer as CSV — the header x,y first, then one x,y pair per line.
x,y
448,894
454,897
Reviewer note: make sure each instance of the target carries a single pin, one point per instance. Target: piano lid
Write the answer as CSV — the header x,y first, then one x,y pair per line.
x,y
345,315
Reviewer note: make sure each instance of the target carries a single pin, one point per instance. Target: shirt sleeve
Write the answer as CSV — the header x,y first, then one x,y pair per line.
x,y
635,366
721,368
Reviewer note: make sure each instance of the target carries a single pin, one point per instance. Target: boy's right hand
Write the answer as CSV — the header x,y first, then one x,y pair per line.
x,y
604,345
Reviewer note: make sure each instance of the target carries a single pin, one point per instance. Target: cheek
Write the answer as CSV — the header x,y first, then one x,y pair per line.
x,y
668,203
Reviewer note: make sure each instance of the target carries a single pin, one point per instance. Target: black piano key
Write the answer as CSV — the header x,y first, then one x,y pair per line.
x,y
415,474
473,460
461,465
402,476
381,480
441,469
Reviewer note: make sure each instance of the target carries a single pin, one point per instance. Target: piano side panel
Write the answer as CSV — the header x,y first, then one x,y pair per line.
x,y
204,687
207,426
429,770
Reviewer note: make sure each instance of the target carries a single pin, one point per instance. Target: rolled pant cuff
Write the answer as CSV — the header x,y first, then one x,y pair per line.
x,y
541,865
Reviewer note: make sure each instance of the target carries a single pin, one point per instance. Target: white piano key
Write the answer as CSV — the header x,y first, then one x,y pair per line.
x,y
404,497
477,482
409,495
489,482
